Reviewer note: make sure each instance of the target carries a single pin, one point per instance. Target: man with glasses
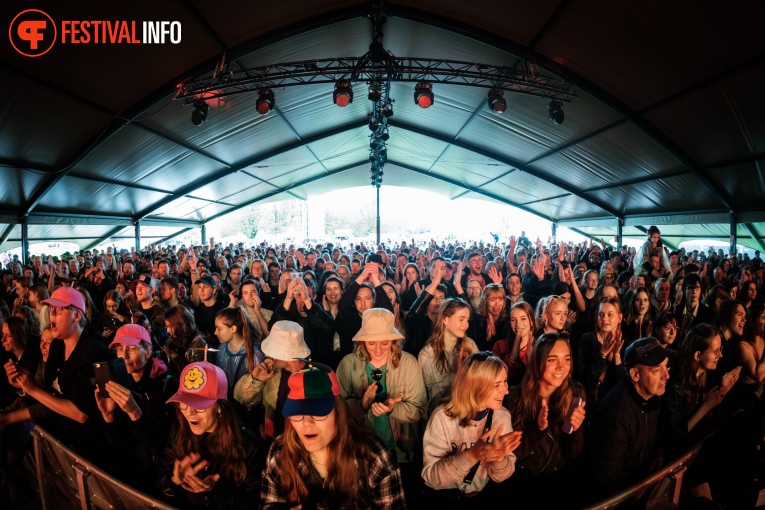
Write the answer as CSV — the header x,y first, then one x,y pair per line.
x,y
691,311
68,390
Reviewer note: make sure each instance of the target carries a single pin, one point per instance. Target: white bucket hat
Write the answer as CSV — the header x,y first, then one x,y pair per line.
x,y
285,342
377,324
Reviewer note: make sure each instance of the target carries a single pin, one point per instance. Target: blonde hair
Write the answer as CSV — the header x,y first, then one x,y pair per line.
x,y
436,341
473,384
395,351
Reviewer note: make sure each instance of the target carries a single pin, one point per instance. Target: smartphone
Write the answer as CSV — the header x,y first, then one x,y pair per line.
x,y
114,370
567,427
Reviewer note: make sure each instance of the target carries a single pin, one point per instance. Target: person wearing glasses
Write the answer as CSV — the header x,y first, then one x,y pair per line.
x,y
68,390
548,406
690,310
211,460
141,407
469,440
325,458
688,408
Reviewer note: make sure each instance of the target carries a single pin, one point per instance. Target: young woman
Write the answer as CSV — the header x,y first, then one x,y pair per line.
x,y
600,352
637,318
446,348
515,350
748,293
716,296
384,384
185,344
239,352
664,328
325,458
554,313
548,407
211,461
490,320
37,294
689,402
114,316
398,311
471,434
750,350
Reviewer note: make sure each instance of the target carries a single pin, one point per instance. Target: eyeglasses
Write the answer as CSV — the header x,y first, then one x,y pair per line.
x,y
717,353
58,310
298,418
184,407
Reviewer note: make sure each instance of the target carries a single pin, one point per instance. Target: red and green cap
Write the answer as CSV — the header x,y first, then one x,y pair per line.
x,y
312,392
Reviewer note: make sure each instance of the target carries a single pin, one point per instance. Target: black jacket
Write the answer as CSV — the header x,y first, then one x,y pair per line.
x,y
623,434
348,320
318,329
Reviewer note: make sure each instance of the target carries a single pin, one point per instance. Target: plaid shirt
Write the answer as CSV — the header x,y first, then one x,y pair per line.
x,y
381,490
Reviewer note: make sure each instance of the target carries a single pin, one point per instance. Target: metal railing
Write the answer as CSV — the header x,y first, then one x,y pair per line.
x,y
58,468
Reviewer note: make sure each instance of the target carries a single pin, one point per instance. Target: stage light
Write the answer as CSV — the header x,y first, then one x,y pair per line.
x,y
199,115
374,94
343,94
374,123
555,111
265,102
423,94
387,109
497,101
385,136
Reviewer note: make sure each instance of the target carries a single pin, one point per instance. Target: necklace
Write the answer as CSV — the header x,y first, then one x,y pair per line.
x,y
316,461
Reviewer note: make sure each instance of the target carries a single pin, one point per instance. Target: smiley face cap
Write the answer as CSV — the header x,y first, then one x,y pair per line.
x,y
201,385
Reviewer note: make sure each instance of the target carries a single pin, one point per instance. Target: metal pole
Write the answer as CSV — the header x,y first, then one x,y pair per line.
x,y
138,235
619,226
554,233
378,214
24,238
733,233
204,235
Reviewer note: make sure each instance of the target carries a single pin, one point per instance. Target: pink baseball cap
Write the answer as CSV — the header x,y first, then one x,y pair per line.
x,y
66,296
202,384
131,334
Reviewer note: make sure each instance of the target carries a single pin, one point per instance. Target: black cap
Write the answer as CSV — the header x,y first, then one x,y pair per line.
x,y
646,351
207,280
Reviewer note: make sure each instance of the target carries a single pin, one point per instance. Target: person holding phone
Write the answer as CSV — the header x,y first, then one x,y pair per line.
x,y
469,441
141,407
548,406
211,460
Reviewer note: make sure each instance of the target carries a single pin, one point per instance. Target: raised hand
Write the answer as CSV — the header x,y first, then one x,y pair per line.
x,y
729,379
576,417
263,371
495,275
544,412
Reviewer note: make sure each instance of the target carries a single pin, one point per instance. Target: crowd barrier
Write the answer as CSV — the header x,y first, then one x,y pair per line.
x,y
59,468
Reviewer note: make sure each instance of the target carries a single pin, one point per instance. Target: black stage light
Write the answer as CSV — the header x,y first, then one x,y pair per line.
x,y
199,115
497,101
265,102
555,110
343,94
423,94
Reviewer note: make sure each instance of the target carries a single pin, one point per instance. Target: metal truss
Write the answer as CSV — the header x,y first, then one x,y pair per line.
x,y
364,69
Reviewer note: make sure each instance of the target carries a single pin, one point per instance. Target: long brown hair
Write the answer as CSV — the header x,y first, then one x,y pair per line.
x,y
235,316
523,305
436,341
527,409
225,446
350,452
698,339
483,306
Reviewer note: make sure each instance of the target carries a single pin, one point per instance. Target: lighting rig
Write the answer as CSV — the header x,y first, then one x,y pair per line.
x,y
378,68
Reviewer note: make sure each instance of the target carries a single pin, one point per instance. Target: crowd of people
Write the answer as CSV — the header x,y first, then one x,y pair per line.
x,y
394,376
